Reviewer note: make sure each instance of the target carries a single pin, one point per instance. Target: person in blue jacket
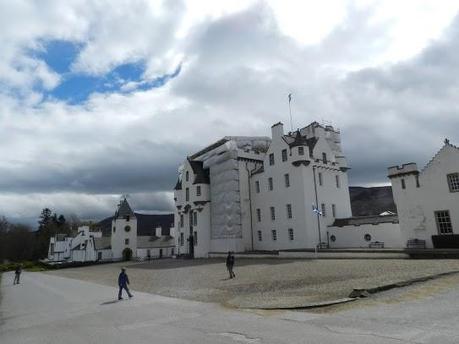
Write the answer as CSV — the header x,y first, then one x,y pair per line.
x,y
123,281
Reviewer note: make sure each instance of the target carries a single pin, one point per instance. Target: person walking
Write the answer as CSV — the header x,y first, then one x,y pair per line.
x,y
123,281
17,274
230,264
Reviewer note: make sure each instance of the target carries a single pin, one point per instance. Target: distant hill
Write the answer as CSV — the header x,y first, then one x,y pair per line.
x,y
146,224
371,201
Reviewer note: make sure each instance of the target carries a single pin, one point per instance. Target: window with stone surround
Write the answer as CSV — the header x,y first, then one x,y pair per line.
x,y
453,182
284,155
443,222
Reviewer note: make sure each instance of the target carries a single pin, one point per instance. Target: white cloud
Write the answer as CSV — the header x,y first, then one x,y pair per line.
x,y
357,64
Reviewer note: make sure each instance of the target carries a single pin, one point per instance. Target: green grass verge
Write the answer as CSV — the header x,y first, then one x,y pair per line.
x,y
27,265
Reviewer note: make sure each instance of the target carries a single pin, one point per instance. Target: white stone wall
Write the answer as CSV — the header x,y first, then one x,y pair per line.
x,y
155,253
301,195
354,236
119,235
416,205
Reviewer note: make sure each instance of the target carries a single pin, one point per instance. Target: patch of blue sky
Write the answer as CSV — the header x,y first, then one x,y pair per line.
x,y
76,87
58,54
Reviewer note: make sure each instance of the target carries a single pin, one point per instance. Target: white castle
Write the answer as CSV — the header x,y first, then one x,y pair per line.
x,y
284,192
280,193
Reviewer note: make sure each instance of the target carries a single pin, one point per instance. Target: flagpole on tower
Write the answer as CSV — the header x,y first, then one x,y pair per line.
x,y
290,110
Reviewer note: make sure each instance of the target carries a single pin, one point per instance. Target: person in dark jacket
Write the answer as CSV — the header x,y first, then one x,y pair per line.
x,y
123,281
230,264
17,274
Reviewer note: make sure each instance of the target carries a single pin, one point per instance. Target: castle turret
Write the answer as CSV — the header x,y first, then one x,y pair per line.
x,y
124,232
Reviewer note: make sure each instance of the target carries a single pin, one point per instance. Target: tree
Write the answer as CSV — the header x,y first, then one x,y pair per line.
x,y
20,240
3,243
49,225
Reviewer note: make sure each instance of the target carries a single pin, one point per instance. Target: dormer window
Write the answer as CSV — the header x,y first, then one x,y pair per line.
x,y
300,150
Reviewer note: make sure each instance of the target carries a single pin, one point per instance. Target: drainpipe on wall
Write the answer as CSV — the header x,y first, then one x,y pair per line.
x,y
317,203
249,175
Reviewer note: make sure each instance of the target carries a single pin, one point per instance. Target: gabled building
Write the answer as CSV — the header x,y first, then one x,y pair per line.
x,y
428,200
126,235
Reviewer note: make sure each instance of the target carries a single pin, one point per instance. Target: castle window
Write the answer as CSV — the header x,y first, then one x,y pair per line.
x,y
187,176
443,222
324,157
195,238
187,194
333,210
320,179
257,186
260,236
114,229
270,184
403,184
182,239
453,182
323,209
126,241
273,213
181,220
258,215
127,228
198,190
287,180
127,218
290,234
195,219
284,155
271,159
337,181
289,211
274,234
300,150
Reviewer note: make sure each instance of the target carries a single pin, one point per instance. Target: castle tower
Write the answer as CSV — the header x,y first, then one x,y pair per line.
x,y
124,232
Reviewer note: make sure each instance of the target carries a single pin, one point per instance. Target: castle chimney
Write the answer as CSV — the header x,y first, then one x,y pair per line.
x,y
277,130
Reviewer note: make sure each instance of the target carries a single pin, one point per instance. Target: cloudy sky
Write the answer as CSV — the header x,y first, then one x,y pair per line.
x,y
103,98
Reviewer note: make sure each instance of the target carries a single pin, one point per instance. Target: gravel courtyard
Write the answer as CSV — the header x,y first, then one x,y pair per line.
x,y
260,282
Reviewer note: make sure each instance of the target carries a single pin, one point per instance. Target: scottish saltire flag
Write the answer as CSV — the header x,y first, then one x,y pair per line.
x,y
316,210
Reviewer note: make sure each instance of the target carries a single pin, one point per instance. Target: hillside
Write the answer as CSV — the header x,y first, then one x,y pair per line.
x,y
372,200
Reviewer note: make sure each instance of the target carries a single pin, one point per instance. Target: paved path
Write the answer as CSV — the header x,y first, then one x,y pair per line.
x,y
51,309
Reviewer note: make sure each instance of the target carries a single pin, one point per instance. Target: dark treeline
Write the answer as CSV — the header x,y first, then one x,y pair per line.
x,y
19,242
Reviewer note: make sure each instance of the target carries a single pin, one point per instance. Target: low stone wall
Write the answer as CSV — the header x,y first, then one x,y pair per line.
x,y
363,235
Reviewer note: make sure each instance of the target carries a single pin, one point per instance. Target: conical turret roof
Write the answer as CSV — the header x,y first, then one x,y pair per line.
x,y
124,209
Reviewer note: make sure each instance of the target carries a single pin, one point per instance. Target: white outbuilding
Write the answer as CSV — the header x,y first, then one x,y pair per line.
x,y
428,200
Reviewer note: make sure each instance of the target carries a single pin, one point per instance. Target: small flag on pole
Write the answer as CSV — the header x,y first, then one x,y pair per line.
x,y
316,210
289,97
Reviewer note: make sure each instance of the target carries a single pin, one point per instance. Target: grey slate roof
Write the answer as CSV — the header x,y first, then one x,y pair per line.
x,y
155,242
201,174
363,220
103,243
146,224
300,140
124,209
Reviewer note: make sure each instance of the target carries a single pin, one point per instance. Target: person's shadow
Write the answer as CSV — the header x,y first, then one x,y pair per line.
x,y
109,302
